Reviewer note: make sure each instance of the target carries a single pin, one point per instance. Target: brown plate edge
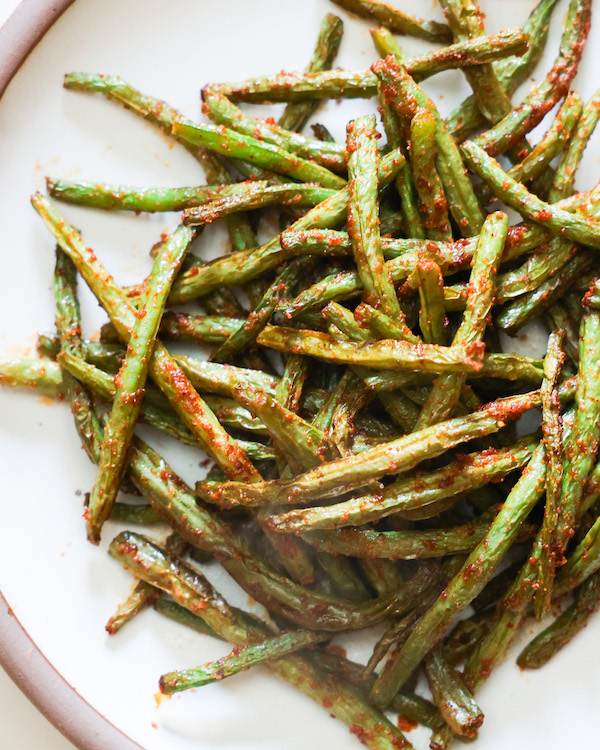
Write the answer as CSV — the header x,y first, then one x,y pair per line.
x,y
22,660
22,30
52,695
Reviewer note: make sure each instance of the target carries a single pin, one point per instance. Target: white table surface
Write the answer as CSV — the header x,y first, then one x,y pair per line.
x,y
22,725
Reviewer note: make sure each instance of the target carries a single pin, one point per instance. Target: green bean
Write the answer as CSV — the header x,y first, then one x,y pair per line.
x,y
556,316
141,598
231,414
343,576
301,87
511,72
583,562
247,331
241,234
250,171
543,97
405,545
154,110
220,301
295,116
291,552
582,444
433,204
228,142
394,636
564,179
553,446
363,224
258,195
429,280
224,112
395,457
139,514
222,379
324,417
403,182
68,327
297,439
511,609
446,390
405,96
391,221
187,586
466,22
195,137
195,413
171,498
540,266
130,383
346,322
415,708
555,140
398,632
239,660
337,440
556,636
573,303
355,397
463,639
208,376
513,606
108,356
320,131
384,354
129,198
403,413
68,314
289,388
518,197
302,445
465,586
478,51
179,614
467,473
382,325
450,694
590,495
347,284
518,312
397,21
203,329
309,609
43,375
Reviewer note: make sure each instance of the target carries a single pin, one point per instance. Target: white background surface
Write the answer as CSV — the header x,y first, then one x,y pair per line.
x,y
82,134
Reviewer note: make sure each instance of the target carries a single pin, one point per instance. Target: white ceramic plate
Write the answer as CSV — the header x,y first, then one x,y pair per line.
x,y
61,588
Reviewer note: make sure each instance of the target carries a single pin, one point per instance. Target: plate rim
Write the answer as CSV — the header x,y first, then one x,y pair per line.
x,y
22,31
50,693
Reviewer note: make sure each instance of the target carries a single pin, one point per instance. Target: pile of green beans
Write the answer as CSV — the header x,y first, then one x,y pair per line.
x,y
360,414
